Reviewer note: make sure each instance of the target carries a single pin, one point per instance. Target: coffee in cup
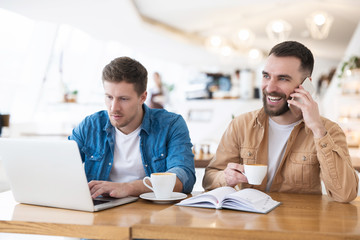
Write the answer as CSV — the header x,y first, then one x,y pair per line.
x,y
255,173
162,184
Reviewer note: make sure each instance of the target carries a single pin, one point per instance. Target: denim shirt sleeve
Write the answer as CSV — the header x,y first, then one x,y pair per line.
x,y
76,136
180,159
166,147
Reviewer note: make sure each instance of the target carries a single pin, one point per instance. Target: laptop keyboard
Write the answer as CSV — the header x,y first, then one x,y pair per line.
x,y
97,202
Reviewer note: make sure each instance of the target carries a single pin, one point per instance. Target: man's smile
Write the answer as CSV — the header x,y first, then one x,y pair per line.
x,y
274,99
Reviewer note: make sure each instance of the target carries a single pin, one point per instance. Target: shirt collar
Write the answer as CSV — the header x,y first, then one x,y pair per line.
x,y
146,122
108,128
262,118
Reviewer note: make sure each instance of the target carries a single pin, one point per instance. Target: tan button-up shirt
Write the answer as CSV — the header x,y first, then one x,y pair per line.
x,y
305,162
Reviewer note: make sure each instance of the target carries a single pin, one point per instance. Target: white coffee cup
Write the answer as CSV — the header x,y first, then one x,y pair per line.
x,y
162,184
255,173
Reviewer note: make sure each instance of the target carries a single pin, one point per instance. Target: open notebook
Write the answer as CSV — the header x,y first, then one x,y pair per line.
x,y
50,173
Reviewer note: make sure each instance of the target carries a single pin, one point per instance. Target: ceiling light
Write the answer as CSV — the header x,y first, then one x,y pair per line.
x,y
277,26
215,41
255,56
319,24
244,38
319,19
278,30
254,53
218,45
244,34
226,51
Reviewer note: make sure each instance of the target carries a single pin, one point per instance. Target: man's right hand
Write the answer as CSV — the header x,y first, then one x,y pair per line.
x,y
109,189
233,175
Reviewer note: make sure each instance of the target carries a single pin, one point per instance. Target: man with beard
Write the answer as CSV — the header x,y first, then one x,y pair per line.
x,y
129,141
300,147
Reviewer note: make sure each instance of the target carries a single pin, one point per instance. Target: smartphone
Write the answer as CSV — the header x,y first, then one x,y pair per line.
x,y
308,86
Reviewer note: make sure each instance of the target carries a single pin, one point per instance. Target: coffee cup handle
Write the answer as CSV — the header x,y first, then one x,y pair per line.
x,y
144,181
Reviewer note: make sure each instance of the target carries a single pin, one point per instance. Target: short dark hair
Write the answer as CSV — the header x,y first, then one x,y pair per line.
x,y
298,50
128,70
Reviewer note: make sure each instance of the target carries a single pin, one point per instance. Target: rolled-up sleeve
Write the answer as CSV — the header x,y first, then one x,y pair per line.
x,y
340,179
180,159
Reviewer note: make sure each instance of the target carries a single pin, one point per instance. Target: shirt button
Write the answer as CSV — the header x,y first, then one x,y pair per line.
x,y
162,154
146,165
92,157
303,158
249,154
323,145
109,164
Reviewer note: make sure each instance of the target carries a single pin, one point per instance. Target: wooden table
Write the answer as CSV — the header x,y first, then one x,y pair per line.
x,y
298,217
112,223
202,160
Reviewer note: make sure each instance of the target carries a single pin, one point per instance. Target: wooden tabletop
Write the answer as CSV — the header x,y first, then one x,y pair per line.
x,y
114,223
202,160
298,217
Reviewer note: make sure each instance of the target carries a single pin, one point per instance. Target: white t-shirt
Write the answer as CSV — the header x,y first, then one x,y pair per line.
x,y
127,165
278,137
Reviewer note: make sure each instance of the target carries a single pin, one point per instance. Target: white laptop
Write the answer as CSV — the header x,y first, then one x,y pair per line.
x,y
50,173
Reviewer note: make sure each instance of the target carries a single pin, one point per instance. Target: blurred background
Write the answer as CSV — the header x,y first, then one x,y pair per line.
x,y
53,52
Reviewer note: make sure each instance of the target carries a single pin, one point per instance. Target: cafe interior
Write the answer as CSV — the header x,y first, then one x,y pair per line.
x,y
208,55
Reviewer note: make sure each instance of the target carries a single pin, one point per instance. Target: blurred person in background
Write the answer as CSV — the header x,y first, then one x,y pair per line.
x,y
157,94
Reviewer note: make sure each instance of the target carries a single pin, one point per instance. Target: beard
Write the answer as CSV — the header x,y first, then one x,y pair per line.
x,y
269,109
118,123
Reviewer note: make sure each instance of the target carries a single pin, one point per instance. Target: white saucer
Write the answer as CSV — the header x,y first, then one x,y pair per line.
x,y
175,196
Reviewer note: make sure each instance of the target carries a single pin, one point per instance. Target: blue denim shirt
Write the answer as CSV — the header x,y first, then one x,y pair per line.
x,y
164,145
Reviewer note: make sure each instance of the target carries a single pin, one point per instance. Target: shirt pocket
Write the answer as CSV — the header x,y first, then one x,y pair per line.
x,y
159,159
248,155
92,154
304,170
93,162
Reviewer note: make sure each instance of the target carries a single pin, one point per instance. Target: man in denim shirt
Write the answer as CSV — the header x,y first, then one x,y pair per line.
x,y
129,141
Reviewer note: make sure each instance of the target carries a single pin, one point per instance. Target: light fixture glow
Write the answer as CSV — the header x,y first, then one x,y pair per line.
x,y
278,30
319,24
319,19
243,38
278,26
244,34
254,53
226,51
215,41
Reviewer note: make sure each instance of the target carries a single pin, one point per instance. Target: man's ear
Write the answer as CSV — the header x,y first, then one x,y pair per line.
x,y
143,97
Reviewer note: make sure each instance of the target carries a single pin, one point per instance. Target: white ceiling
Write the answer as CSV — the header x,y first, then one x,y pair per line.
x,y
172,29
225,17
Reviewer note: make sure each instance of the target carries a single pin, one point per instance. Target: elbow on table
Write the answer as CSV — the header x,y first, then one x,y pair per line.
x,y
346,197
